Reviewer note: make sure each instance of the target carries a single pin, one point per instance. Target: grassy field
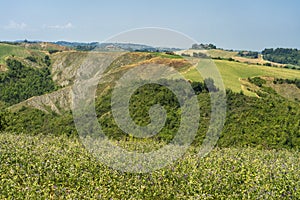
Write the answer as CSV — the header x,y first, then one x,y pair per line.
x,y
51,167
232,72
9,50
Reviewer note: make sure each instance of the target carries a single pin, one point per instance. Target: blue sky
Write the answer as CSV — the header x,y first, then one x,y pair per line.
x,y
230,24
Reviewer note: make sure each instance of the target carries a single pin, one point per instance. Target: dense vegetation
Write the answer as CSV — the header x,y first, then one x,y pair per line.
x,y
140,103
34,122
48,167
21,82
282,55
250,121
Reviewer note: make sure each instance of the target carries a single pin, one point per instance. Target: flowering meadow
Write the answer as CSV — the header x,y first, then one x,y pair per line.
x,y
59,167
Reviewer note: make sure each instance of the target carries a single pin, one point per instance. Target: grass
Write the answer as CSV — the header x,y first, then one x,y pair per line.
x,y
232,72
58,167
9,50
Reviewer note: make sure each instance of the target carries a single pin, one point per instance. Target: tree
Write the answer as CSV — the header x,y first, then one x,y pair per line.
x,y
211,46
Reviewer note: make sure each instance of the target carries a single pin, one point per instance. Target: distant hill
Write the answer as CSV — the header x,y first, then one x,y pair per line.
x,y
114,46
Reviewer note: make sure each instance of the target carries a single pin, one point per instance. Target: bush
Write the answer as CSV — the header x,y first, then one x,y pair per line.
x,y
257,81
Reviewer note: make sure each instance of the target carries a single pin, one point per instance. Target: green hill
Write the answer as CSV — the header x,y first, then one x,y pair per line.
x,y
7,50
233,72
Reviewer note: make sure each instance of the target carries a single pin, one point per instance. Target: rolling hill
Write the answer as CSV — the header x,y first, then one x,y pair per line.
x,y
55,106
233,73
41,155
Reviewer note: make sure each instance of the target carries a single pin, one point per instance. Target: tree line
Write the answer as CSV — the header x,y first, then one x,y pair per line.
x,y
282,55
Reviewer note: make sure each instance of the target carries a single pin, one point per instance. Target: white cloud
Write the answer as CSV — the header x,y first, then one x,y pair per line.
x,y
65,26
14,25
